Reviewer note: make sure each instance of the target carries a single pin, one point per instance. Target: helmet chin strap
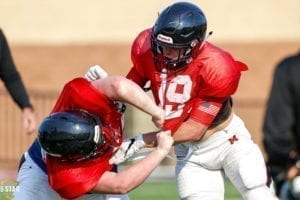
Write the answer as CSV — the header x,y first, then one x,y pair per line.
x,y
163,77
202,44
205,39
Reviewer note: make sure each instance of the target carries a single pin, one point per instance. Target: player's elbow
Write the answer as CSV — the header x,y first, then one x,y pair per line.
x,y
119,86
124,187
196,137
194,130
123,190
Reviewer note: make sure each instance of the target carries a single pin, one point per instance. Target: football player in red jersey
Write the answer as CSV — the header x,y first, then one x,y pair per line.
x,y
78,139
193,80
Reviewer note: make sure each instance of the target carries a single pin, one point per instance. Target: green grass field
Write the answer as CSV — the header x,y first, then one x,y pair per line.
x,y
167,191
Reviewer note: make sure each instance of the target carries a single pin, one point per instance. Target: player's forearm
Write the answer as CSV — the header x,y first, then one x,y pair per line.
x,y
139,172
189,131
124,90
129,92
130,178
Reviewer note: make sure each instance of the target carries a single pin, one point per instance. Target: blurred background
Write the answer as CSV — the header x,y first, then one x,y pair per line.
x,y
54,41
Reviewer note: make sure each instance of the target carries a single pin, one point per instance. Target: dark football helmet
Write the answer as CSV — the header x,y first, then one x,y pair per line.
x,y
72,135
180,26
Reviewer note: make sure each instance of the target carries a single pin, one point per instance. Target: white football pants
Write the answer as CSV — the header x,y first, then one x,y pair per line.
x,y
34,185
202,166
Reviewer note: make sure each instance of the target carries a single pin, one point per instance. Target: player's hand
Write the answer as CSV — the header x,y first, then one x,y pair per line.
x,y
159,119
292,172
29,120
95,72
164,142
127,149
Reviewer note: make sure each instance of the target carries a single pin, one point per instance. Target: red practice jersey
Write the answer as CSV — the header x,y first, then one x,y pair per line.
x,y
197,91
73,179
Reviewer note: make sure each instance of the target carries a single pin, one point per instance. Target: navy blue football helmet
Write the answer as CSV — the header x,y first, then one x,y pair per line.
x,y
72,135
180,26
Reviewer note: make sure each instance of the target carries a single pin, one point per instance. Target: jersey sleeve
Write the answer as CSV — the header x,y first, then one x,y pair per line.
x,y
71,180
136,76
93,100
205,111
138,49
220,79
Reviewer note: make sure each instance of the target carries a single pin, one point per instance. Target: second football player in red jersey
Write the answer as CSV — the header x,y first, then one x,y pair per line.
x,y
76,141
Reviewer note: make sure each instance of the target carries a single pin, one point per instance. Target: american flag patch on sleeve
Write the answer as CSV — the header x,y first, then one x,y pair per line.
x,y
209,108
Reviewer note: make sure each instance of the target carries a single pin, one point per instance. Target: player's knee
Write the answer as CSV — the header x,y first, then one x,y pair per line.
x,y
259,193
253,173
252,169
204,196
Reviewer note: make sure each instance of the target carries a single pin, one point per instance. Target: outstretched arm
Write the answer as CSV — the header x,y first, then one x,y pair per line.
x,y
15,86
130,178
122,89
